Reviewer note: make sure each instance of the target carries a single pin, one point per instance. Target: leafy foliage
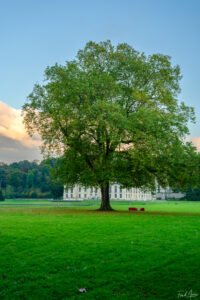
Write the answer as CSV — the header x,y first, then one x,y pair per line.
x,y
2,198
26,179
192,194
113,115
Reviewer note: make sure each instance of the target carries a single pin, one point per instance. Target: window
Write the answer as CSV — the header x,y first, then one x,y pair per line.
x,y
120,191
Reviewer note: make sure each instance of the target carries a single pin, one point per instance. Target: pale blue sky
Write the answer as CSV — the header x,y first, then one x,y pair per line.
x,y
38,33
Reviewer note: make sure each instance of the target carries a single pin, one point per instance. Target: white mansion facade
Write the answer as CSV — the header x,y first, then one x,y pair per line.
x,y
78,192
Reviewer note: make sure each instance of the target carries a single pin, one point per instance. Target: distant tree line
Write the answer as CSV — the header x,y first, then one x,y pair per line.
x,y
26,179
33,180
192,194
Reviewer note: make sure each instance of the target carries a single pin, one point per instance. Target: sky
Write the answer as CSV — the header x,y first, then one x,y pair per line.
x,y
35,34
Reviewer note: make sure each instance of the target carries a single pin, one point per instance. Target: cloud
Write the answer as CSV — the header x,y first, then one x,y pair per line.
x,y
13,150
196,142
15,143
11,125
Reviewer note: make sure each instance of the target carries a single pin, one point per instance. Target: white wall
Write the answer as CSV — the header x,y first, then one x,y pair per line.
x,y
78,192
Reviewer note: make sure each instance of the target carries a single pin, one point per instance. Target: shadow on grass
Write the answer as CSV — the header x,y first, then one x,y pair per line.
x,y
86,211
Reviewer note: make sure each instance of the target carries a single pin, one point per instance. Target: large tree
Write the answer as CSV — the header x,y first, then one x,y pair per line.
x,y
113,115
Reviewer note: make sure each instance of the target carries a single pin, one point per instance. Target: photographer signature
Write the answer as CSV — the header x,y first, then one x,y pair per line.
x,y
187,294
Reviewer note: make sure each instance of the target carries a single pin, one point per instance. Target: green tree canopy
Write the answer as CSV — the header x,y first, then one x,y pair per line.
x,y
113,115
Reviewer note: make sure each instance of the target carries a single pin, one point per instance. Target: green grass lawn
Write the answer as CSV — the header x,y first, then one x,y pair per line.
x,y
24,201
51,252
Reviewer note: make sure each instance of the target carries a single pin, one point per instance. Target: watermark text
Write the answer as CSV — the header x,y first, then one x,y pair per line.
x,y
187,294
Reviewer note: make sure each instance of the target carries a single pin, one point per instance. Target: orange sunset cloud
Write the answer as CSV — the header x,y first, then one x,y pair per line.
x,y
11,126
196,142
15,143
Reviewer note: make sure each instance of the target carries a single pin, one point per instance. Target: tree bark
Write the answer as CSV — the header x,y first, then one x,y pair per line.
x,y
105,198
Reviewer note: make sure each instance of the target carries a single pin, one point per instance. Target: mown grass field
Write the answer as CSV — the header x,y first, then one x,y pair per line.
x,y
50,252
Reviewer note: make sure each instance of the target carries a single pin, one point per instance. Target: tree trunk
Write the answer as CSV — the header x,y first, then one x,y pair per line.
x,y
105,198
